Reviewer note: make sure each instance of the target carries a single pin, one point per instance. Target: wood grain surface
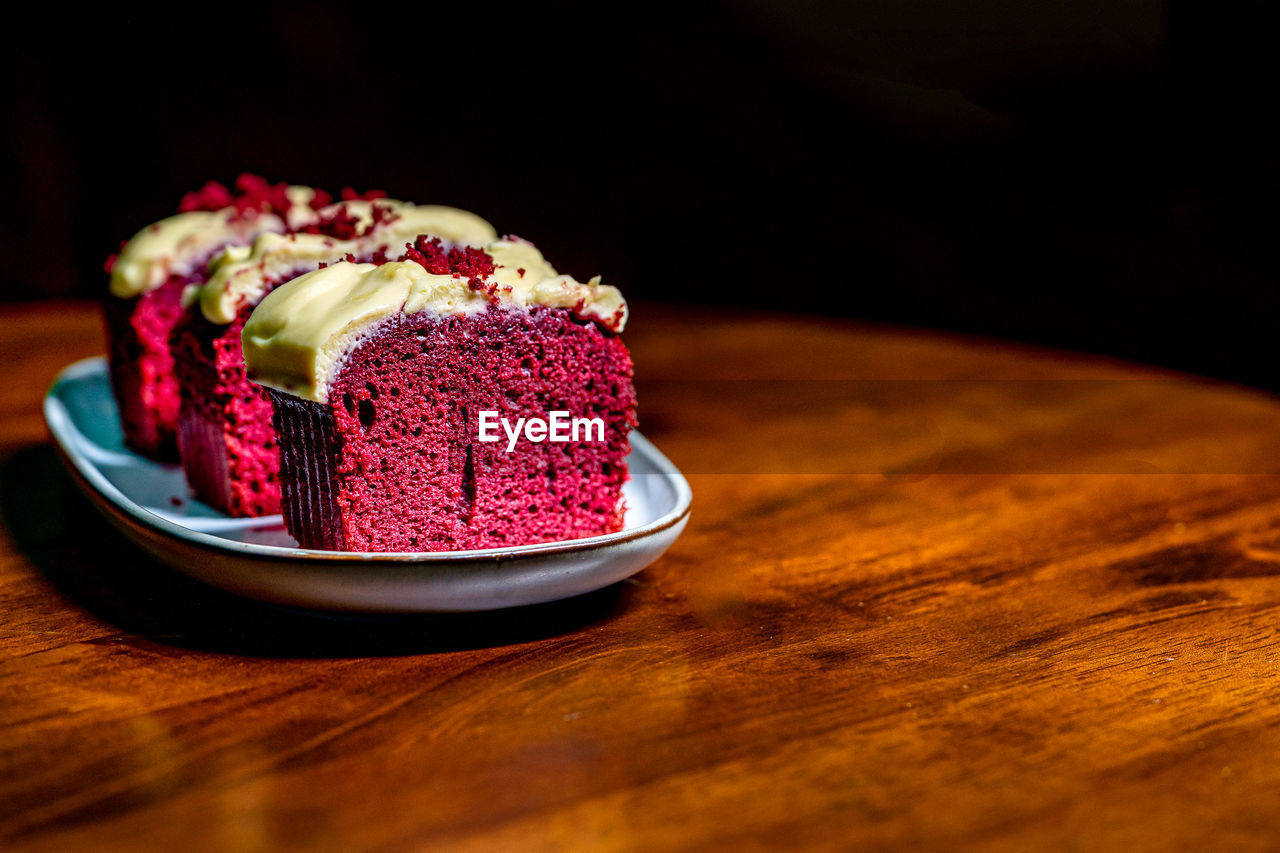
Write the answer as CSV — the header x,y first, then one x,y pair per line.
x,y
935,593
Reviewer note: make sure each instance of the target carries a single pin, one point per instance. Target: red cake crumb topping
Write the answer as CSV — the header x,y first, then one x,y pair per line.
x,y
349,194
254,195
341,225
460,261
429,253
320,199
212,196
258,195
473,263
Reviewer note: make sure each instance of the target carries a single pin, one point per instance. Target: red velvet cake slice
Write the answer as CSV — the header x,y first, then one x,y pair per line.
x,y
409,395
225,437
147,281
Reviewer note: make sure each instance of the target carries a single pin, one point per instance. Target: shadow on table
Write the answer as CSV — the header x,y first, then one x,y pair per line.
x,y
95,567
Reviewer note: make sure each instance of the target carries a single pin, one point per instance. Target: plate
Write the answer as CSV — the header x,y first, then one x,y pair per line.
x,y
150,502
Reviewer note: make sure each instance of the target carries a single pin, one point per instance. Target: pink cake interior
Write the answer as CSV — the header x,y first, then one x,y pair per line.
x,y
225,438
142,367
392,461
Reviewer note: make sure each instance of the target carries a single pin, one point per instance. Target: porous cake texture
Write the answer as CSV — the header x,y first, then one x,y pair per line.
x,y
225,438
392,461
380,375
141,366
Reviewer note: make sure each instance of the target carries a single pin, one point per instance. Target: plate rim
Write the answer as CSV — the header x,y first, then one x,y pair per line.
x,y
91,478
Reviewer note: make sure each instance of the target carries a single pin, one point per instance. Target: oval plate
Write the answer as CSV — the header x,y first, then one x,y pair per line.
x,y
150,502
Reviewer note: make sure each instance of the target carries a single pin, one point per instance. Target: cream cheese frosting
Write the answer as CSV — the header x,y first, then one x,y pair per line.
x,y
298,336
241,275
178,244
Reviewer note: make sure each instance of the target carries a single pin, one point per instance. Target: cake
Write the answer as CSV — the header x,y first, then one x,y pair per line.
x,y
226,441
390,379
147,279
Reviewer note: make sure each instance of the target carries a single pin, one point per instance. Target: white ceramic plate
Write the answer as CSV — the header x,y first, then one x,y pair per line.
x,y
151,504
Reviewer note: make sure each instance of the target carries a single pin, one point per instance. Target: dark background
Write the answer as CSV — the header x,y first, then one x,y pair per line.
x,y
1095,175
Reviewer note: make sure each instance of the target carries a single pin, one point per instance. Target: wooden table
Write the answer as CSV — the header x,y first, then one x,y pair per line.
x,y
935,592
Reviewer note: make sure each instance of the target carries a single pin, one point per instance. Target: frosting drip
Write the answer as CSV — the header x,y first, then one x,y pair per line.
x,y
297,338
